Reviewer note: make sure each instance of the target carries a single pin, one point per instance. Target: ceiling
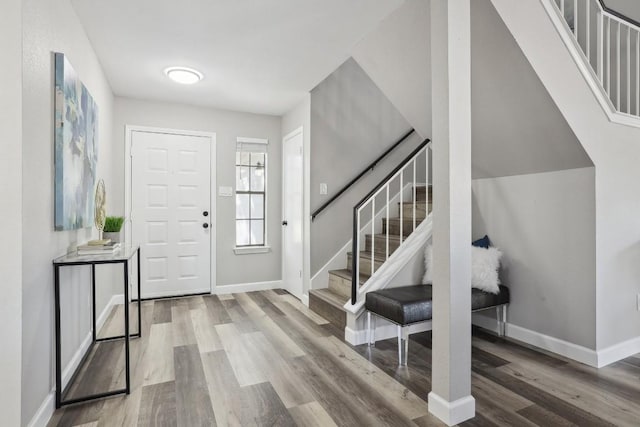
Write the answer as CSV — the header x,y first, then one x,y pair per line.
x,y
258,56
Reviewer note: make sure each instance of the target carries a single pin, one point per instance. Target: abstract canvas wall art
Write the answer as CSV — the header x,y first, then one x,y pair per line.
x,y
76,148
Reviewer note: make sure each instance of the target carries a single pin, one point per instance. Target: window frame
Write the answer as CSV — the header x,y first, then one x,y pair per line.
x,y
264,246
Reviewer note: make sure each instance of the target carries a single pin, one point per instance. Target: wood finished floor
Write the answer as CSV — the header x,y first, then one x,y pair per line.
x,y
264,359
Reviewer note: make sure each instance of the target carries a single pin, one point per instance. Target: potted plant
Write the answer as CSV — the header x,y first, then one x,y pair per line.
x,y
112,228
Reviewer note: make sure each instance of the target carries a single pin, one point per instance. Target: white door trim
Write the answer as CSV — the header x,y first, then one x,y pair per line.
x,y
129,129
306,213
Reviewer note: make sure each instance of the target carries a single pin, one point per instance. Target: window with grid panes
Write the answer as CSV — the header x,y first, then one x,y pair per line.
x,y
251,173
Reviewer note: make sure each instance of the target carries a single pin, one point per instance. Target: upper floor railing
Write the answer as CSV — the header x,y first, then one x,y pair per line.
x,y
610,42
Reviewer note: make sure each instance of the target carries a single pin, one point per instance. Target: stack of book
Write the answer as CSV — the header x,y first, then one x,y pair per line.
x,y
108,248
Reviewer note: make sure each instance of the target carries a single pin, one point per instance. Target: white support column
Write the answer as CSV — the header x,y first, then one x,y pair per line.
x,y
11,212
450,398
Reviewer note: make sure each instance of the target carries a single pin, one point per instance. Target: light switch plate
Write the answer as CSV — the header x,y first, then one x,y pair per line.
x,y
323,188
225,191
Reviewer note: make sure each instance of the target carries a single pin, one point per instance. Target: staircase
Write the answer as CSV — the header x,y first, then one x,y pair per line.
x,y
329,302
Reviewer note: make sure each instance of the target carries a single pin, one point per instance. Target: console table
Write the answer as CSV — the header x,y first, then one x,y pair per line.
x,y
124,256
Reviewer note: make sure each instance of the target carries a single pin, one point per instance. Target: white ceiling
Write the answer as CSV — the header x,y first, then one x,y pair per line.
x,y
258,56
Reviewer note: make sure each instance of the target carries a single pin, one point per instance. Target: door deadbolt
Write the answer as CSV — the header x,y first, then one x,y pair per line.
x,y
205,225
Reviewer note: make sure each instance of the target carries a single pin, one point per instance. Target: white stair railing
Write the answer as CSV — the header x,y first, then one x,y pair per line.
x,y
610,43
403,180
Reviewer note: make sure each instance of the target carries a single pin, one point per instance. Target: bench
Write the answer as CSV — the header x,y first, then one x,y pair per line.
x,y
409,305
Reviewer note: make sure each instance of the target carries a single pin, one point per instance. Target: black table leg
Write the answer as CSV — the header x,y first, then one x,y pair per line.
x,y
93,299
57,322
139,297
126,327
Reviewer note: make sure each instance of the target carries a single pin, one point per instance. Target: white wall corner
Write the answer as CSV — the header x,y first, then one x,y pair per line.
x,y
618,352
452,413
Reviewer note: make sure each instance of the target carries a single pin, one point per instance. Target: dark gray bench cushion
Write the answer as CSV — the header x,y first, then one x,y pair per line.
x,y
411,304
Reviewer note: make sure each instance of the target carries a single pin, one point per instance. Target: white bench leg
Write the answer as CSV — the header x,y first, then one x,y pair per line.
x,y
371,330
501,317
403,345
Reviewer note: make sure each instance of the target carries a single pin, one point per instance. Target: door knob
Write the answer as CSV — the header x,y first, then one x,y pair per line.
x,y
285,223
205,213
205,225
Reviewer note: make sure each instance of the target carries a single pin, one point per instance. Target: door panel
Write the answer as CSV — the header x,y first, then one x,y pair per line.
x,y
293,178
171,188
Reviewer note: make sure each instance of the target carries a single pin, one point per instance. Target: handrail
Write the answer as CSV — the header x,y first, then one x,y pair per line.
x,y
618,14
361,174
356,228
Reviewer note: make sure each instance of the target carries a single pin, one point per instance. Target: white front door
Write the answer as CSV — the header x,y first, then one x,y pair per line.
x,y
292,210
171,216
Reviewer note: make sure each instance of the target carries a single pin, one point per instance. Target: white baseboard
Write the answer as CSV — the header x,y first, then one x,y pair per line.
x,y
305,299
452,413
618,352
383,332
554,345
68,371
115,300
47,408
44,412
247,287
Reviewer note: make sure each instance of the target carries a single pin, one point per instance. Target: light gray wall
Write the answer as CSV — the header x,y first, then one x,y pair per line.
x,y
48,27
516,126
615,152
545,226
11,210
630,8
352,123
397,56
228,125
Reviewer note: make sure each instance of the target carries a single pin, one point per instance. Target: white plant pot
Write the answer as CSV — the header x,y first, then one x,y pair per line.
x,y
114,236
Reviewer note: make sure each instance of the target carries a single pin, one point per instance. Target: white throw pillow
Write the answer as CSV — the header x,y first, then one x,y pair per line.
x,y
428,261
485,264
484,269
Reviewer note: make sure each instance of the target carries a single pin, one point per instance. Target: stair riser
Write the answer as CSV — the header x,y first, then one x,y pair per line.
x,y
333,314
380,245
364,264
421,194
394,227
421,213
340,285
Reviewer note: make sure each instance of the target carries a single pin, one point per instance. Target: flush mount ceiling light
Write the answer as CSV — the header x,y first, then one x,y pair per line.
x,y
183,75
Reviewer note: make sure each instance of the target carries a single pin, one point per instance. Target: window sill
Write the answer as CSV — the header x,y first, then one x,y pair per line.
x,y
251,250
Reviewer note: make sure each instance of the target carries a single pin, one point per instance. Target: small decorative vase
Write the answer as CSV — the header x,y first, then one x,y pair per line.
x,y
115,236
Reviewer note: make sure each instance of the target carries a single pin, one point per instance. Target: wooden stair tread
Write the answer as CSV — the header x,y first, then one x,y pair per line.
x,y
345,273
330,297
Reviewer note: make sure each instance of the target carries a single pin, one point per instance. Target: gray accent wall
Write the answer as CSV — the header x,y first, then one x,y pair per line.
x,y
228,125
53,27
545,225
352,123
